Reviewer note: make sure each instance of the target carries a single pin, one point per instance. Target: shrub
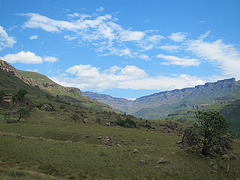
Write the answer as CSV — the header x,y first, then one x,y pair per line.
x,y
62,106
75,117
128,123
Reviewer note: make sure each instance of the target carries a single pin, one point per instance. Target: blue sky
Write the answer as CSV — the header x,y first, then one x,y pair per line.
x,y
127,48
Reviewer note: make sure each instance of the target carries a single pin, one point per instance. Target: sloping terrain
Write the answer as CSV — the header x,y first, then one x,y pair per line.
x,y
40,84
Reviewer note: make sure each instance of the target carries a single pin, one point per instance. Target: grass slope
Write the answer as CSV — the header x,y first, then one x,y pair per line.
x,y
73,151
69,94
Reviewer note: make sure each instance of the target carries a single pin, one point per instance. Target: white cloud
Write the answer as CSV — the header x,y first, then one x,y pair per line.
x,y
178,36
88,77
50,59
155,38
144,56
73,15
27,58
223,56
173,60
169,47
132,35
33,37
107,36
5,40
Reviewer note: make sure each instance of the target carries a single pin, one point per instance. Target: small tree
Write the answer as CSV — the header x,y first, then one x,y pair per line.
x,y
210,133
21,93
75,117
23,112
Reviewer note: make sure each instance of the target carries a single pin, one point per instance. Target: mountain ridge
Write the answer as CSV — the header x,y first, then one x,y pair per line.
x,y
200,94
52,89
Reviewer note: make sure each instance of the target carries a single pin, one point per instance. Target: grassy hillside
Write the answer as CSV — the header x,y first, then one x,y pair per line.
x,y
54,145
68,94
228,106
65,150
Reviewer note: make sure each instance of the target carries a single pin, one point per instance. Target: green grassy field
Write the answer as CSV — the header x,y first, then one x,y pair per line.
x,y
65,150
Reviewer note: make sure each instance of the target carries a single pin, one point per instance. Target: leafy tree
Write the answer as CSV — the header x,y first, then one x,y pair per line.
x,y
210,133
23,112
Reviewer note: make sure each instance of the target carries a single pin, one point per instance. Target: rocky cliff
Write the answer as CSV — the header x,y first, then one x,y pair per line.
x,y
195,96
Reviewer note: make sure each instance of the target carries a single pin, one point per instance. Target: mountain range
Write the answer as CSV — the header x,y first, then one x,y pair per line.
x,y
223,96
167,101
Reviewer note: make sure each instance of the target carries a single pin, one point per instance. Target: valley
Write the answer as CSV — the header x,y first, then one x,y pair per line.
x,y
63,134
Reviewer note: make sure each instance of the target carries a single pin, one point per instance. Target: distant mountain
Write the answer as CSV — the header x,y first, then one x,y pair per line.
x,y
160,104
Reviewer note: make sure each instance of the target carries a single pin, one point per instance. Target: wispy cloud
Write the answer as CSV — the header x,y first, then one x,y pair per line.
x,y
5,40
101,30
33,37
224,56
27,58
169,47
173,60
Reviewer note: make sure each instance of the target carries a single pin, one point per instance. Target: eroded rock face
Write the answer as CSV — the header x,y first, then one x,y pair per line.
x,y
46,107
75,90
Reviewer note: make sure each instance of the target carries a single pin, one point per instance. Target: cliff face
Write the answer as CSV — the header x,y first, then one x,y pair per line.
x,y
198,95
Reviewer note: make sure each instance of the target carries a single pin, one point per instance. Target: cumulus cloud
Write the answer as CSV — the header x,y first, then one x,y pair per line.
x,y
221,55
88,77
27,58
5,40
33,37
178,36
173,60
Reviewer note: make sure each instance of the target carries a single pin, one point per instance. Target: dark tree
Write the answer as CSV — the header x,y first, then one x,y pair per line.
x,y
214,127
128,123
23,112
210,133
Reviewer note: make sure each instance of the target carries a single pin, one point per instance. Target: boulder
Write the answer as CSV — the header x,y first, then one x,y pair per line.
x,y
85,120
135,151
232,157
161,161
106,141
225,157
119,145
142,162
41,139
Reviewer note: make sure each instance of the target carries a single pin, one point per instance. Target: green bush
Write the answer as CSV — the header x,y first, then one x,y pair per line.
x,y
128,123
